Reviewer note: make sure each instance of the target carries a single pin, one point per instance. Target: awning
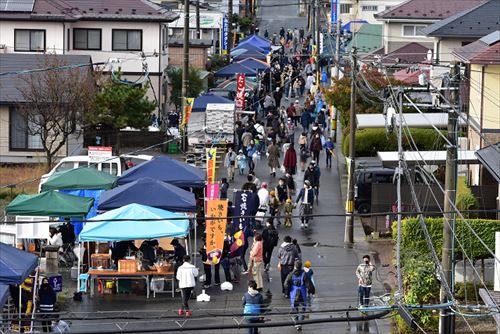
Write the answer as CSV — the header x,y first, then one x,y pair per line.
x,y
391,159
4,294
120,224
232,69
201,102
15,264
254,64
80,178
490,159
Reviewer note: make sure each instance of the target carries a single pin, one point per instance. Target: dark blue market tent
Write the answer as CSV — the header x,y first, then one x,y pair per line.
x,y
150,192
254,64
234,68
249,54
258,41
200,103
167,170
247,47
4,294
15,264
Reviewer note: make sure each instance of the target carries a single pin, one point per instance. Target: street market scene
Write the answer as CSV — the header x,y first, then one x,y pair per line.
x,y
250,166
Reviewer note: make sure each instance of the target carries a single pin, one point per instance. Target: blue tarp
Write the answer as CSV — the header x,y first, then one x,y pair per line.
x,y
95,194
151,192
4,294
15,264
167,170
108,228
200,103
234,68
254,64
250,54
258,41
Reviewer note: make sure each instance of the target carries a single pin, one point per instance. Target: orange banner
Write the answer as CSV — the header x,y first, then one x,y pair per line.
x,y
215,228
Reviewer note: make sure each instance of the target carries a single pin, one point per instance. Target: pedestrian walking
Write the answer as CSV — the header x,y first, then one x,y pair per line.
x,y
47,299
266,34
248,232
270,238
278,94
299,285
223,188
241,159
306,199
290,160
256,260
252,306
288,210
287,255
186,275
309,272
252,155
273,155
316,146
364,273
304,155
329,147
305,120
274,205
230,163
297,246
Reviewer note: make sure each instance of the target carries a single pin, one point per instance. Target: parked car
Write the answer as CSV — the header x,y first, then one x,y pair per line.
x,y
114,165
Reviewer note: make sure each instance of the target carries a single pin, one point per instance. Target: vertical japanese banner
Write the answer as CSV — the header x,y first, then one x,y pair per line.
x,y
244,205
215,228
240,91
188,106
212,191
211,160
334,13
225,36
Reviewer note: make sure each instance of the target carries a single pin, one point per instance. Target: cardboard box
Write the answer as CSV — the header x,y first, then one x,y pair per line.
x,y
127,266
100,261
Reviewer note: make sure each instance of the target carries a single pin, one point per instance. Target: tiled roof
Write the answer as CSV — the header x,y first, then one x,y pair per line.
x,y
473,22
9,62
427,9
411,53
107,10
483,51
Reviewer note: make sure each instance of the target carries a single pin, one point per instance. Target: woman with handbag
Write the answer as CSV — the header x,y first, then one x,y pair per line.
x,y
256,258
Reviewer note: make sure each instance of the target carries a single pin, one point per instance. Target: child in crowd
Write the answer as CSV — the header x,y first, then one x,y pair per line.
x,y
289,206
242,162
309,272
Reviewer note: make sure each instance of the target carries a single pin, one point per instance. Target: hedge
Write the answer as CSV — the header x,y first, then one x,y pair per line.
x,y
413,240
370,141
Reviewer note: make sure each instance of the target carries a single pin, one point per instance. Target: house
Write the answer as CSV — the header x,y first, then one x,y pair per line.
x,y
463,28
482,61
198,52
404,23
17,144
355,10
134,32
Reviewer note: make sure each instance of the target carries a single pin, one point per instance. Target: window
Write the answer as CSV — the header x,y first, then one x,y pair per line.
x,y
29,40
86,39
19,137
345,8
127,40
369,8
388,7
413,30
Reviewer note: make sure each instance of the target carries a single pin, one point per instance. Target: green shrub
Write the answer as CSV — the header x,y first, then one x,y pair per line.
x,y
467,201
370,141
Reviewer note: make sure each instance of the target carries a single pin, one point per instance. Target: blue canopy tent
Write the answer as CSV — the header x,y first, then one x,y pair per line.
x,y
254,64
15,264
125,224
167,170
4,294
247,47
150,192
249,54
258,41
200,103
234,68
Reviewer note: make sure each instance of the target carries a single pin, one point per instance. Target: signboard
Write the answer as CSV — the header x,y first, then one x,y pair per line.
x,y
240,91
188,106
212,191
99,153
244,205
321,43
56,283
334,12
215,228
211,160
225,35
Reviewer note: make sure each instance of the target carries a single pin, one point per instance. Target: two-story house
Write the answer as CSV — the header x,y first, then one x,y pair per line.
x,y
125,30
404,23
363,10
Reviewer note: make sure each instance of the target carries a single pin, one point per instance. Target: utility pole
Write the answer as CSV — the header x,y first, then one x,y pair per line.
x,y
198,28
446,316
318,32
349,219
312,27
336,75
185,72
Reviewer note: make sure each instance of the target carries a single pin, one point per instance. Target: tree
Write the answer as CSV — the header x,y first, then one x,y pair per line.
x,y
195,86
55,102
118,105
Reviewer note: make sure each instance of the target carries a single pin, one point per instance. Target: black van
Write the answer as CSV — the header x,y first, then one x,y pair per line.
x,y
364,178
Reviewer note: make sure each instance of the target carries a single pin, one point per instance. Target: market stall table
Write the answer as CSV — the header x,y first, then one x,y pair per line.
x,y
114,274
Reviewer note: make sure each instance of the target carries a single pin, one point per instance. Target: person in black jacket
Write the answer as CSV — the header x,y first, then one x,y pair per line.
x,y
270,237
47,299
306,199
252,306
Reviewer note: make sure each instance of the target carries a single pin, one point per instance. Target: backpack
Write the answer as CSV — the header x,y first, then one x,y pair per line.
x,y
273,237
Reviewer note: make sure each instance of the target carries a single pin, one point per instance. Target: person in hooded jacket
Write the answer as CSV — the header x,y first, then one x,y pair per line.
x,y
252,306
287,254
299,284
47,299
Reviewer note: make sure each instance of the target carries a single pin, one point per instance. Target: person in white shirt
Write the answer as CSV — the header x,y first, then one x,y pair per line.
x,y
186,275
55,238
263,195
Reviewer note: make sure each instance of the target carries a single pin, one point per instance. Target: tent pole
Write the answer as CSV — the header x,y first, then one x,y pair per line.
x,y
35,286
78,270
20,305
195,241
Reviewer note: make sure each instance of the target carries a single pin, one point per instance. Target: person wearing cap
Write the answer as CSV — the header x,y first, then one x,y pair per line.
x,y
309,272
306,199
299,285
241,159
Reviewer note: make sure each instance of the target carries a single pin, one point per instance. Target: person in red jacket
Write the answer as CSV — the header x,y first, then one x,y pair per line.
x,y
290,161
